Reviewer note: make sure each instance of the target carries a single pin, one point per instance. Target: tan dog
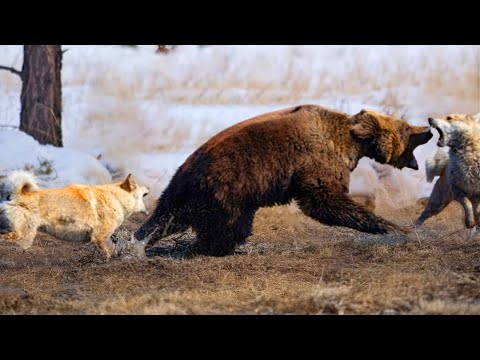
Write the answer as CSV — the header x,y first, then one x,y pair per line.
x,y
458,167
74,213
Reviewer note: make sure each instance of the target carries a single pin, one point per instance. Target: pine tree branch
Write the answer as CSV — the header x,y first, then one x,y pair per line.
x,y
12,70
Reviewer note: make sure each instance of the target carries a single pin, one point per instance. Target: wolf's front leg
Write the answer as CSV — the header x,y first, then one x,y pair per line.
x,y
476,214
439,199
462,198
476,209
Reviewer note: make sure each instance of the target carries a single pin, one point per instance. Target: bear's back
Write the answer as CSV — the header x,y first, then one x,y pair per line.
x,y
271,117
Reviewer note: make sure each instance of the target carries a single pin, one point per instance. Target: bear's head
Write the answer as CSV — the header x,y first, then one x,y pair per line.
x,y
388,140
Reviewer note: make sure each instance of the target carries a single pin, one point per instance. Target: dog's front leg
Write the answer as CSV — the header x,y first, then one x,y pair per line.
x,y
24,240
11,236
104,243
462,198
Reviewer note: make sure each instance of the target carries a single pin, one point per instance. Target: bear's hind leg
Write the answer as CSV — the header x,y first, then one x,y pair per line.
x,y
220,238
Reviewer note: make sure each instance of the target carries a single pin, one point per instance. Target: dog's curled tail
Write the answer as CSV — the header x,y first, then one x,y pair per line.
x,y
435,166
20,182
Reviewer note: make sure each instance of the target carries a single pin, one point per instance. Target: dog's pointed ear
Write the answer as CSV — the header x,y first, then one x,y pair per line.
x,y
365,126
28,187
127,185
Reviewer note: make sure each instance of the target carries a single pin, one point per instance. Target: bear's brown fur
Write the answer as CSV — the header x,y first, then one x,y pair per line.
x,y
304,153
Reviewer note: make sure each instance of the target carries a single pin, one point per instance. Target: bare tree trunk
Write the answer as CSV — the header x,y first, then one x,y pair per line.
x,y
42,93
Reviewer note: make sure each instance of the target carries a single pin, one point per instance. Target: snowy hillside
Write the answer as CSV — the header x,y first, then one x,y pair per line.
x,y
145,113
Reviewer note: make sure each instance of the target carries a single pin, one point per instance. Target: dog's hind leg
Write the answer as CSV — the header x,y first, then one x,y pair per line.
x,y
439,199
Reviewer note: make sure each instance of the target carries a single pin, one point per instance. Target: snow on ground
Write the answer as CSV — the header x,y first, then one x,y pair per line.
x,y
145,113
53,166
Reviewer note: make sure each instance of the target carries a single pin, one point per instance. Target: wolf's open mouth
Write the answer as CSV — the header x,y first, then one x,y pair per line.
x,y
441,139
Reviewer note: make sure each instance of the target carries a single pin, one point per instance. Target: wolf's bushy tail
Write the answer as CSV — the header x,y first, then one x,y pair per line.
x,y
436,165
19,182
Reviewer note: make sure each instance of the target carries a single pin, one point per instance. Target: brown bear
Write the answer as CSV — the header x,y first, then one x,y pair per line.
x,y
304,153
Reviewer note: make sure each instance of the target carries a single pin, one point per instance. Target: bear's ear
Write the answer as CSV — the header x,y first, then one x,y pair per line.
x,y
365,126
127,185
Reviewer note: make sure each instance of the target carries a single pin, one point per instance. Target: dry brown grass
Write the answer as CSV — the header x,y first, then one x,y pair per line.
x,y
291,265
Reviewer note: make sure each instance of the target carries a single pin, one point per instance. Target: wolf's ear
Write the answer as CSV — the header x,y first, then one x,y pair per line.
x,y
365,126
127,185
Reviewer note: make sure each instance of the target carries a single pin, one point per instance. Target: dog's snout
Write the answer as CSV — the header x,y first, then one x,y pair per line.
x,y
430,121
